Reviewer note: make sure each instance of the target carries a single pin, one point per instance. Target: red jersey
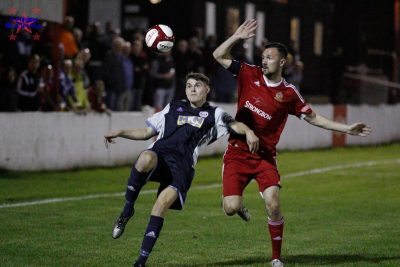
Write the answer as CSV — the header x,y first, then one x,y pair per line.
x,y
264,106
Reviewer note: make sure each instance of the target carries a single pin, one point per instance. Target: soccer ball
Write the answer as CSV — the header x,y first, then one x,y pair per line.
x,y
160,38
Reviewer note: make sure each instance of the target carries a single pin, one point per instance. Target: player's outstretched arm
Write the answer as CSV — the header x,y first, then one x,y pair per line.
x,y
222,52
251,138
133,134
359,128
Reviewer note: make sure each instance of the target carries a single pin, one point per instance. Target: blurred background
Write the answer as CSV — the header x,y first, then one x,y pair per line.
x,y
73,70
91,54
72,60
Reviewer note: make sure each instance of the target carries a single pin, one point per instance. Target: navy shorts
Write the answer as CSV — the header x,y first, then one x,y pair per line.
x,y
174,171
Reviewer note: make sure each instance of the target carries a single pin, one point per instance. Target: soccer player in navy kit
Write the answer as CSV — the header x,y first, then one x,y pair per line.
x,y
265,100
182,127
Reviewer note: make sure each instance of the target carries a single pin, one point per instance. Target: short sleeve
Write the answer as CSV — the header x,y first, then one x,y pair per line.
x,y
157,121
234,67
220,128
299,107
222,121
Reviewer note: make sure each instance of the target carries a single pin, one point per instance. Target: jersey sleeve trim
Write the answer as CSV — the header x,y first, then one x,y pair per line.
x,y
148,123
234,68
157,120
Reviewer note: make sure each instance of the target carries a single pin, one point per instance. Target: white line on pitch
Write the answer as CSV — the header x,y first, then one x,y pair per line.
x,y
200,187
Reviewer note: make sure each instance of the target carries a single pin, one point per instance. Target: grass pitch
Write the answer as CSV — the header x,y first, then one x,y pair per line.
x,y
341,208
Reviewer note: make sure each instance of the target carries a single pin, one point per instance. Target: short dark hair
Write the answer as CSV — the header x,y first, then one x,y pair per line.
x,y
198,77
281,48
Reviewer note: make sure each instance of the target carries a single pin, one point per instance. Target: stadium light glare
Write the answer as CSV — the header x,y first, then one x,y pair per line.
x,y
154,2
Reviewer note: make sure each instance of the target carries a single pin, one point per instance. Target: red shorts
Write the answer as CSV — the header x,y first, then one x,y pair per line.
x,y
240,167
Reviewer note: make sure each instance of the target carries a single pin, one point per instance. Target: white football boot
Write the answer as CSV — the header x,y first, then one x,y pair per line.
x,y
277,263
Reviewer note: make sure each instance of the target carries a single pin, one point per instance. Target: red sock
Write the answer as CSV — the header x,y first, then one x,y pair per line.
x,y
276,232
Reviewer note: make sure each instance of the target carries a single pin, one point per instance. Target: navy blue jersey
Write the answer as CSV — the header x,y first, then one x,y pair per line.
x,y
181,131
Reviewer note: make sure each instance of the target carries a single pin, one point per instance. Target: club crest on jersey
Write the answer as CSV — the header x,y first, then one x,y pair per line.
x,y
257,83
203,114
192,120
279,97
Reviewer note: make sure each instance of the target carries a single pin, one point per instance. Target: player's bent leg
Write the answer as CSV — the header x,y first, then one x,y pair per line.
x,y
232,205
275,223
272,202
166,198
146,162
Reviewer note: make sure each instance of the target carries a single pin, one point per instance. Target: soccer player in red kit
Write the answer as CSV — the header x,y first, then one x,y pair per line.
x,y
265,100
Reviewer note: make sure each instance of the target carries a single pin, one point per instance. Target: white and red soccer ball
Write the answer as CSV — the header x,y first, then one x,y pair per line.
x,y
160,38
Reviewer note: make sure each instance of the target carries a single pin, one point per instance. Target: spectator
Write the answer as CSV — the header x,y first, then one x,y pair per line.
x,y
293,50
78,37
141,67
67,38
195,56
24,50
293,71
28,86
210,65
50,98
199,34
96,96
138,36
336,68
225,86
97,49
8,94
163,73
113,73
258,52
182,68
43,46
110,34
67,87
125,100
85,55
81,83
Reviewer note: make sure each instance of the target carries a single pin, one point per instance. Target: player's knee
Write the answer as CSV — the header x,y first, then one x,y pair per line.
x,y
230,208
273,209
146,161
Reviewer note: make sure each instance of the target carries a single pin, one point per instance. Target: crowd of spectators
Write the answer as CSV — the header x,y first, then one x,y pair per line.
x,y
101,71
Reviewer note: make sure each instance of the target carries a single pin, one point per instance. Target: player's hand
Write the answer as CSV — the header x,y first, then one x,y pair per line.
x,y
246,30
252,141
108,138
359,129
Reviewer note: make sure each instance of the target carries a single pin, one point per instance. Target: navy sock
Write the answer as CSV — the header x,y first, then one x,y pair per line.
x,y
150,237
135,183
128,210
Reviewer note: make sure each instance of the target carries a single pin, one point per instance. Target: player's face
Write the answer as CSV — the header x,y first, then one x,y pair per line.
x,y
272,62
196,92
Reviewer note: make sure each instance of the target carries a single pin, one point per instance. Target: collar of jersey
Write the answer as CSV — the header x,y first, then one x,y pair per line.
x,y
205,105
271,84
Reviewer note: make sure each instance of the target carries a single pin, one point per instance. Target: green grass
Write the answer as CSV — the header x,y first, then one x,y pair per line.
x,y
343,217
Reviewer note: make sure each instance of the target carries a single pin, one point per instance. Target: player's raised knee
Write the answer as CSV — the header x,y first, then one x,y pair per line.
x,y
146,161
230,208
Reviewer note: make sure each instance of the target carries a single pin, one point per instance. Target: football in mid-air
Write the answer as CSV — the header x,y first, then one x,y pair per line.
x,y
160,38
